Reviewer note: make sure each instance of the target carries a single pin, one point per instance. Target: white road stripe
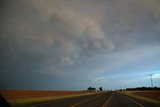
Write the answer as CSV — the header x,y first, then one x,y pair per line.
x,y
79,103
107,101
133,101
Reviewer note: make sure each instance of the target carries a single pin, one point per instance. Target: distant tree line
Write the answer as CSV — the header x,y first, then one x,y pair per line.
x,y
91,89
94,89
144,88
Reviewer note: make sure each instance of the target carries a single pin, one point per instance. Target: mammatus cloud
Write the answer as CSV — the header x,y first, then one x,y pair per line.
x,y
82,40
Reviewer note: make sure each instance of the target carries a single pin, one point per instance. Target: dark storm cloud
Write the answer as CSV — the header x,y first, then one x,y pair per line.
x,y
82,40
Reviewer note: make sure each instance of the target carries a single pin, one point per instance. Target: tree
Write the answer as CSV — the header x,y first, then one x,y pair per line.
x,y
100,89
91,89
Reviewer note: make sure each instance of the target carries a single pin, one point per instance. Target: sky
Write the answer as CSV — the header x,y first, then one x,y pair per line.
x,y
75,44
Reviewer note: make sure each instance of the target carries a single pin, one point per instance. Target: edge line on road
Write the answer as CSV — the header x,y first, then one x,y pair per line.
x,y
84,101
50,102
107,101
134,101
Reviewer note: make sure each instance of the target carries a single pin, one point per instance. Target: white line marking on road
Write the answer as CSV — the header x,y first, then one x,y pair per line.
x,y
107,101
74,105
50,102
133,101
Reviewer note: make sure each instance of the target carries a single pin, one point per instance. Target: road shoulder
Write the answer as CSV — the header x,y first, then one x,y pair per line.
x,y
140,99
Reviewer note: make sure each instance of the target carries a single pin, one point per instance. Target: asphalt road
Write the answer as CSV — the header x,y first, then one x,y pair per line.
x,y
106,99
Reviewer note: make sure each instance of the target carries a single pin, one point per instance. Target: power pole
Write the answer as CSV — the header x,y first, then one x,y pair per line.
x,y
151,80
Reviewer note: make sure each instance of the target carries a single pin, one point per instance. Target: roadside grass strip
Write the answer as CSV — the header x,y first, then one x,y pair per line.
x,y
30,101
155,102
134,101
74,105
107,101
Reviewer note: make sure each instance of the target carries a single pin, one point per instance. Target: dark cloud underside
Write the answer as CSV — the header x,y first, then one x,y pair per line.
x,y
47,44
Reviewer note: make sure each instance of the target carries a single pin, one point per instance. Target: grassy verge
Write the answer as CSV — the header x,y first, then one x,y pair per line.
x,y
30,101
153,101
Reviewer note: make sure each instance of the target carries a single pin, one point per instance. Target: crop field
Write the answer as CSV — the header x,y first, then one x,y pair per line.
x,y
22,94
155,95
25,97
151,96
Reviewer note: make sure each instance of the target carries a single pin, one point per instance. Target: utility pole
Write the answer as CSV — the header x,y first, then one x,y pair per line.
x,y
151,80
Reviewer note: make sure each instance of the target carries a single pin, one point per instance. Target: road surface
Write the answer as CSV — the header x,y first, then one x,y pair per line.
x,y
106,99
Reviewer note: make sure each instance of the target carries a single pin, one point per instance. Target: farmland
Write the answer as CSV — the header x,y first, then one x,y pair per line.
x,y
152,96
23,94
25,97
155,95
